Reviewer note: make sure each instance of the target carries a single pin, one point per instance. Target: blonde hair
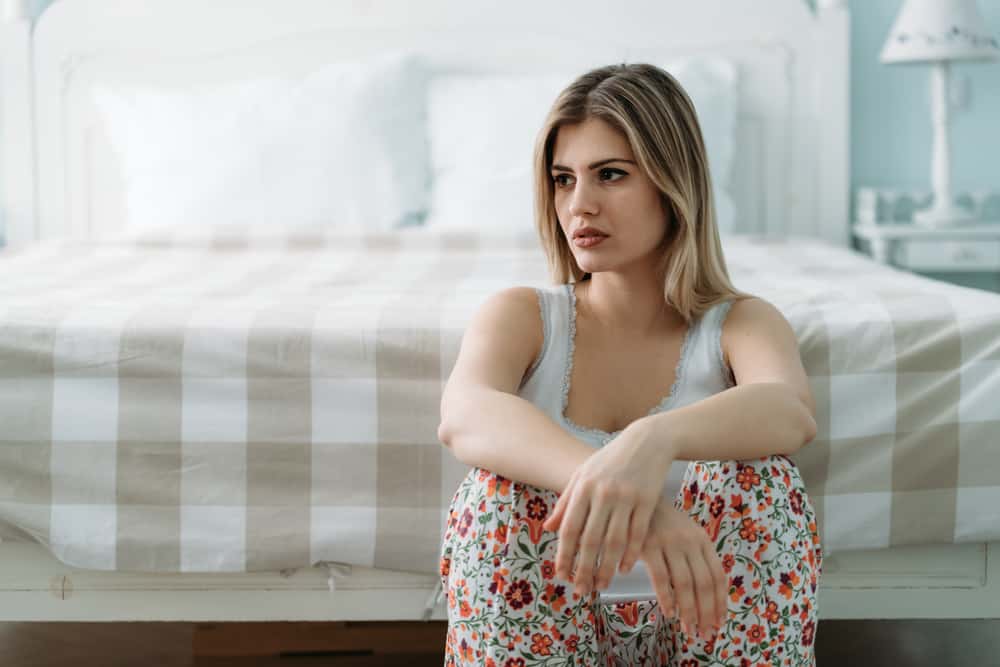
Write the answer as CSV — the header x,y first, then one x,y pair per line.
x,y
650,108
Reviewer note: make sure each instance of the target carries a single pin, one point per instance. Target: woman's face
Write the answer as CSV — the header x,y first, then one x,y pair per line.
x,y
597,183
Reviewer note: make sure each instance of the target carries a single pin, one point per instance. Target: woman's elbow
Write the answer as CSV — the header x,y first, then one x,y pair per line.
x,y
809,429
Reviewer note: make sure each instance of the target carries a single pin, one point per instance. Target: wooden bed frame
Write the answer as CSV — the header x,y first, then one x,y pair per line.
x,y
793,143
952,581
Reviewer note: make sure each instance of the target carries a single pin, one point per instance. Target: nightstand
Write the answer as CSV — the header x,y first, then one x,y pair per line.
x,y
965,254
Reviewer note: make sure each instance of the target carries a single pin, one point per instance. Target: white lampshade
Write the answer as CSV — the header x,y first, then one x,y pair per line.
x,y
930,30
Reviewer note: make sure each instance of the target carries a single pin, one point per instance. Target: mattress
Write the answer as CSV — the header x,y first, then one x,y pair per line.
x,y
263,398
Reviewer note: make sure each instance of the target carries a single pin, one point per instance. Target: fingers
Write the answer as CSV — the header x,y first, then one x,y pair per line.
x,y
721,582
591,542
614,545
659,576
569,535
638,529
683,585
555,518
704,594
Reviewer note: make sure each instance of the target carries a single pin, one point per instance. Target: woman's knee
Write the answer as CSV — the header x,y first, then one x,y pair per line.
x,y
764,483
771,490
751,501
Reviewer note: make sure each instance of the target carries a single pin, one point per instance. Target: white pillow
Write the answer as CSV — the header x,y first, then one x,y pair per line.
x,y
711,83
482,130
345,146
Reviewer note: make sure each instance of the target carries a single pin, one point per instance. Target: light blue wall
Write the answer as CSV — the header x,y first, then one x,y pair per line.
x,y
890,109
891,132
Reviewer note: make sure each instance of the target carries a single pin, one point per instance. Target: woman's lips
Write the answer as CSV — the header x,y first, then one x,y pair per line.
x,y
588,241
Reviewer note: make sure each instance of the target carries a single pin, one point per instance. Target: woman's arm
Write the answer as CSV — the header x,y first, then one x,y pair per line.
x,y
483,421
741,423
509,436
770,411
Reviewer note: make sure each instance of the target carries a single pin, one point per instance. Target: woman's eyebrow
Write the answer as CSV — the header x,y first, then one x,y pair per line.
x,y
594,165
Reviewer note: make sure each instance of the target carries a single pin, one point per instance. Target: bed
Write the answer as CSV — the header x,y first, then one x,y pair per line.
x,y
235,420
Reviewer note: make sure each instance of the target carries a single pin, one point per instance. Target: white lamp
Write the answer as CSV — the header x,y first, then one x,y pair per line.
x,y
939,31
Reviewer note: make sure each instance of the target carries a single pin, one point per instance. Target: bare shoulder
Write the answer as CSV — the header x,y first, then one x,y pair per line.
x,y
517,309
520,309
760,345
746,314
503,339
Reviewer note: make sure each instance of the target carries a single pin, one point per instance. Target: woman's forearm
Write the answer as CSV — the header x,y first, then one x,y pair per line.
x,y
510,436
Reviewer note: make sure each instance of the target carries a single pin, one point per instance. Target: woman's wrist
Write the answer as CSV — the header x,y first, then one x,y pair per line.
x,y
658,448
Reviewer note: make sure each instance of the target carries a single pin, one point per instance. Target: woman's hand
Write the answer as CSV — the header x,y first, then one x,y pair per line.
x,y
679,555
606,508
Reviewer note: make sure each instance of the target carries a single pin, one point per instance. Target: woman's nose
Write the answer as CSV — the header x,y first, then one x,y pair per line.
x,y
582,200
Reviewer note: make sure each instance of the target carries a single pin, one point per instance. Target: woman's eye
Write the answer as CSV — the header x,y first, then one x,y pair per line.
x,y
602,172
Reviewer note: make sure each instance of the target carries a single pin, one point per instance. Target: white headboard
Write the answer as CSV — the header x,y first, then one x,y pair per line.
x,y
60,178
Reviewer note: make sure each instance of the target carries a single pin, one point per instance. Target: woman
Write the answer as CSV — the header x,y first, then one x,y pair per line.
x,y
550,403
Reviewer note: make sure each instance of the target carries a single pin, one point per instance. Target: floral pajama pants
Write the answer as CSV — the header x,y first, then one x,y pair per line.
x,y
507,608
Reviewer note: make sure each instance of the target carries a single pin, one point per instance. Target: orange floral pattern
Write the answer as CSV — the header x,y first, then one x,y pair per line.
x,y
507,608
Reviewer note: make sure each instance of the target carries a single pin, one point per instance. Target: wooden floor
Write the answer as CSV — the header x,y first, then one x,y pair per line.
x,y
869,643
414,644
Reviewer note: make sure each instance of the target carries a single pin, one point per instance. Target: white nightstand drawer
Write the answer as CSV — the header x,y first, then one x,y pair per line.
x,y
939,255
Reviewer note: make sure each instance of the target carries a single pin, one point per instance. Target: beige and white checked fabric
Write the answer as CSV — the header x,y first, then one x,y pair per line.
x,y
241,399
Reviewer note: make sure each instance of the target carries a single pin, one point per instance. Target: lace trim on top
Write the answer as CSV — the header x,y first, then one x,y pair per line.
x,y
664,403
545,338
723,311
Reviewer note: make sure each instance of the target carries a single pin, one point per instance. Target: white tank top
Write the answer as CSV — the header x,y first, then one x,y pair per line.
x,y
700,373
